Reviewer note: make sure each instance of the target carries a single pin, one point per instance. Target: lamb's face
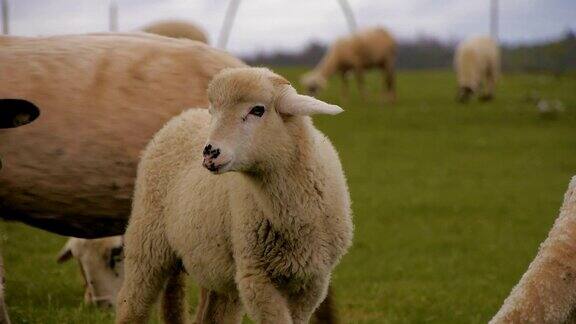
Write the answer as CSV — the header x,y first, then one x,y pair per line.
x,y
249,108
244,122
313,83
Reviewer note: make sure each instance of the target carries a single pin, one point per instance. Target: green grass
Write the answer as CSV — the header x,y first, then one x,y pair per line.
x,y
450,204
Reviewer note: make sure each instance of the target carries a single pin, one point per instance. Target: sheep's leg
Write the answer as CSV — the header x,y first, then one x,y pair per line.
x,y
359,73
147,266
303,304
389,82
326,312
221,308
263,302
345,86
174,306
4,319
488,88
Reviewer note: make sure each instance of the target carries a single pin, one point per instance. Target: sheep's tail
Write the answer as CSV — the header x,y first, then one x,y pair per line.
x,y
547,291
326,312
174,306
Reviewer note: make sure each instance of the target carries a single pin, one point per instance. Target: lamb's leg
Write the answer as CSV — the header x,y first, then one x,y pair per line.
x,y
303,304
221,309
174,306
201,306
4,319
263,302
326,312
148,263
389,82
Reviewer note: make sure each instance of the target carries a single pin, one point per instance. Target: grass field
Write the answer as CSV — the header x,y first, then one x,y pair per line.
x,y
450,204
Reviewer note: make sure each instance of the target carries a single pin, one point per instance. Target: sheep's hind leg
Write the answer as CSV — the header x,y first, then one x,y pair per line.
x,y
488,89
389,82
221,309
147,266
174,306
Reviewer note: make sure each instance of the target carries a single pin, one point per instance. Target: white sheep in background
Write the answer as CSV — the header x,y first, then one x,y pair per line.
x,y
370,48
477,65
547,291
101,266
263,238
177,29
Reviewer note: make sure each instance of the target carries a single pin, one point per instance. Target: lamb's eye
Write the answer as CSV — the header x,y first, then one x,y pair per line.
x,y
257,111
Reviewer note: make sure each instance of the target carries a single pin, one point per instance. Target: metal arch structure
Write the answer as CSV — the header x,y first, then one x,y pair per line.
x,y
232,10
113,16
5,18
494,18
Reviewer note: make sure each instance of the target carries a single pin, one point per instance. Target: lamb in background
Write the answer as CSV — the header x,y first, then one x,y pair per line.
x,y
263,231
546,293
101,265
372,48
477,65
177,29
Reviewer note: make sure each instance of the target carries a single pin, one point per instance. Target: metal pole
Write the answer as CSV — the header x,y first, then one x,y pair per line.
x,y
113,16
228,21
5,18
348,14
494,19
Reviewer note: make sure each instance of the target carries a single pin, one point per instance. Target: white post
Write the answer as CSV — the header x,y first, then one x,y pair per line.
x,y
227,24
348,14
494,19
113,16
5,18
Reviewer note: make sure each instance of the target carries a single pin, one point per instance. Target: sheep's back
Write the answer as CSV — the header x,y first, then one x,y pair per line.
x,y
102,98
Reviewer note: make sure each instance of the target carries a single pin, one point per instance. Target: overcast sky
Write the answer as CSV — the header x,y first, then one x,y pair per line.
x,y
265,25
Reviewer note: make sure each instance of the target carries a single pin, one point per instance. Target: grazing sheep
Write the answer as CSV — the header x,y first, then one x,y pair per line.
x,y
370,48
177,29
101,266
13,113
546,293
263,229
102,97
477,65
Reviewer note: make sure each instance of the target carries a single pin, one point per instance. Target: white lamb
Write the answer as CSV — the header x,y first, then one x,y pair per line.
x,y
477,65
263,238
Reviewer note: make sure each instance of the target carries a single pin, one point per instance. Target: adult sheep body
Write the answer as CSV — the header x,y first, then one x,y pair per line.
x,y
365,49
265,236
102,98
177,29
477,65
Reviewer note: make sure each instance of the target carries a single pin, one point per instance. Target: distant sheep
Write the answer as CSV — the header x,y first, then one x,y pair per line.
x,y
546,293
102,98
263,232
101,265
177,29
367,49
477,65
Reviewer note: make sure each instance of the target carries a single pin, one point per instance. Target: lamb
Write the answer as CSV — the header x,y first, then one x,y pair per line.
x,y
177,29
73,172
263,229
101,265
546,293
477,65
370,48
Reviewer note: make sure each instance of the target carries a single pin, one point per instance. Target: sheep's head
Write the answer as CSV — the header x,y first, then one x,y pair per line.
x,y
101,264
250,109
313,82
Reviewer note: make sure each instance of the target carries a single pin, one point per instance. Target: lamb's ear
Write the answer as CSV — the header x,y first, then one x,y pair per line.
x,y
65,253
291,103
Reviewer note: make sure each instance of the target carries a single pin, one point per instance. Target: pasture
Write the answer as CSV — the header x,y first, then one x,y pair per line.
x,y
450,204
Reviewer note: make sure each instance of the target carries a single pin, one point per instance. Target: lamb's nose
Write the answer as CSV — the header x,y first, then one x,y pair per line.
x,y
210,152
